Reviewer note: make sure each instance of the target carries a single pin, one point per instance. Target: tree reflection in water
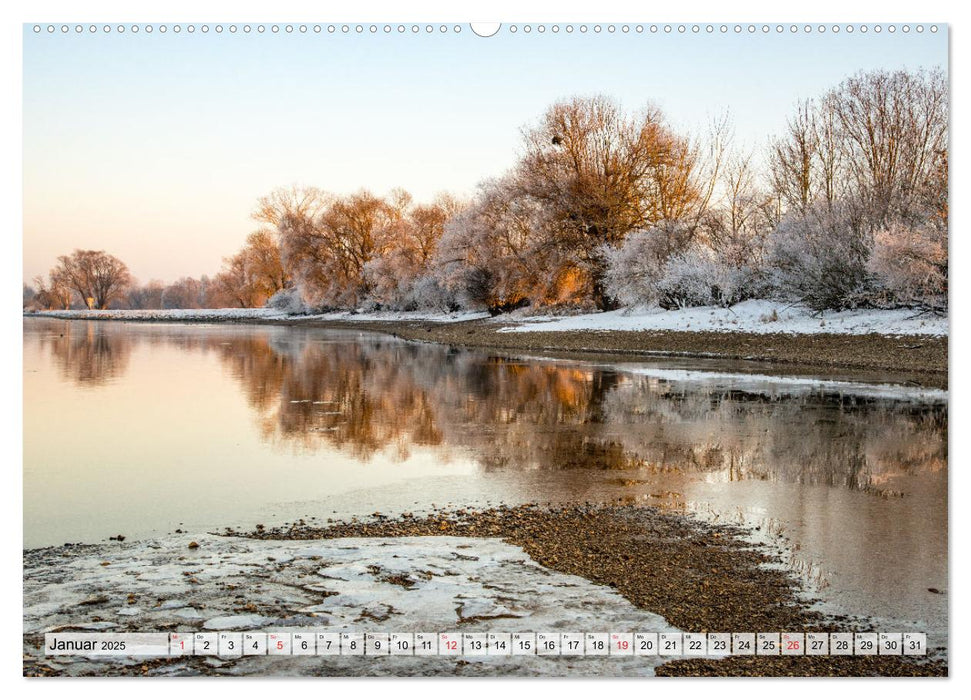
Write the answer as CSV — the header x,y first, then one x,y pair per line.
x,y
367,394
89,354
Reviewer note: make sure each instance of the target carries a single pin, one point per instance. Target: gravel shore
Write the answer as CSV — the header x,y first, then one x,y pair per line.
x,y
700,578
920,360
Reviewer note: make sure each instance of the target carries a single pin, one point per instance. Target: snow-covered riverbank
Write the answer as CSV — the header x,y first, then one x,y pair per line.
x,y
256,315
898,341
754,316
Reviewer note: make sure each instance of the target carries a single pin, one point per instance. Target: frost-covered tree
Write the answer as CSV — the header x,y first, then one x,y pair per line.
x,y
30,298
294,214
804,163
893,132
400,277
254,274
634,269
599,173
192,293
878,138
862,173
737,224
327,244
499,251
358,250
264,262
234,285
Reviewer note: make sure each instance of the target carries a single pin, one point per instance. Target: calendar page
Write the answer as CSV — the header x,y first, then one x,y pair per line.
x,y
437,348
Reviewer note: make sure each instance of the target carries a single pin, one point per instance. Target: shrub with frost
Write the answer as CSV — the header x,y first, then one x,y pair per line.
x,y
289,301
662,266
820,258
388,281
909,264
698,277
462,264
635,268
428,293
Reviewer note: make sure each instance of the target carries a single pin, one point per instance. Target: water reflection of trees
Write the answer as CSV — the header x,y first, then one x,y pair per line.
x,y
810,438
312,390
88,354
358,397
382,394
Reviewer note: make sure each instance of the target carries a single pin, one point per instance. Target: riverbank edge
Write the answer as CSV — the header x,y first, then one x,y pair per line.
x,y
920,360
700,577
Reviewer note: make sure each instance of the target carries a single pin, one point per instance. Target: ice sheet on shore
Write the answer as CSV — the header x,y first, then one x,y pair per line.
x,y
417,584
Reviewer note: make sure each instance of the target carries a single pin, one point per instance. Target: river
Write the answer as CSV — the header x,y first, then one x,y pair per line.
x,y
142,429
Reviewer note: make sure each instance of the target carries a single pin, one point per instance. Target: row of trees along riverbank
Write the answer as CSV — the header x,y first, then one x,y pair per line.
x,y
847,208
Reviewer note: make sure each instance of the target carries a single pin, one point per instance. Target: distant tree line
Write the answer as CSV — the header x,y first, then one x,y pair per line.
x,y
96,280
847,208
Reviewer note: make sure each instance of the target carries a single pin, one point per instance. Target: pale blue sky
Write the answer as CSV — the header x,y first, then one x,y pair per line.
x,y
155,147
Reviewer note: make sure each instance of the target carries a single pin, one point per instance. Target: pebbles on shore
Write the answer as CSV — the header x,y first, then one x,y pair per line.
x,y
509,568
699,577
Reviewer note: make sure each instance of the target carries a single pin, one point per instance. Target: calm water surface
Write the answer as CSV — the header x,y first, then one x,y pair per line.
x,y
139,429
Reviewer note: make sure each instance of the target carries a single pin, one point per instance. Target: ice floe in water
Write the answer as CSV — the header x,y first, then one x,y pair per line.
x,y
418,584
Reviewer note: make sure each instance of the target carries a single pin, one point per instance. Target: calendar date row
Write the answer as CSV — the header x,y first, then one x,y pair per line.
x,y
467,644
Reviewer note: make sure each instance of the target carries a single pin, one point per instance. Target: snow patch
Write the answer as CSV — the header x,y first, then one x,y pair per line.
x,y
213,315
754,316
436,317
